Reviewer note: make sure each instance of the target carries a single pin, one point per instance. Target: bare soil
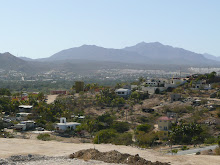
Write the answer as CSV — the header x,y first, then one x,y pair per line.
x,y
9,147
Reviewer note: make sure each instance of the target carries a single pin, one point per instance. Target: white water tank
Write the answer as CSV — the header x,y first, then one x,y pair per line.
x,y
62,120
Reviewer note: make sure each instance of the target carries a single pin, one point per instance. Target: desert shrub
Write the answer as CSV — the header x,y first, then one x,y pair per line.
x,y
105,136
174,151
123,139
120,127
144,127
217,151
146,139
111,136
162,135
50,126
210,140
142,119
44,137
6,135
184,148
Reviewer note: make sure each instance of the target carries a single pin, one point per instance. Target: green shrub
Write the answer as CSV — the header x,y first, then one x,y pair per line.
x,y
184,148
144,127
123,139
174,151
44,137
210,140
105,136
111,136
146,139
217,151
121,127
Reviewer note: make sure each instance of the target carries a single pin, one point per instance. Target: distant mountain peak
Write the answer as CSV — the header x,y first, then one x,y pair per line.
x,y
89,46
142,44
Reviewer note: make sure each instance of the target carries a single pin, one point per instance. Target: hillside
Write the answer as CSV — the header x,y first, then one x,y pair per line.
x,y
10,62
92,52
211,57
164,54
141,53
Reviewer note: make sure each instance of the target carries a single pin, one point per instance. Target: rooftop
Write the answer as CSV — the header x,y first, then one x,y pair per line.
x,y
69,123
25,106
122,90
165,118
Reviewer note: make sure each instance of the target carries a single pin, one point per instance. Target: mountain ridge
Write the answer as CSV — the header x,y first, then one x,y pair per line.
x,y
153,52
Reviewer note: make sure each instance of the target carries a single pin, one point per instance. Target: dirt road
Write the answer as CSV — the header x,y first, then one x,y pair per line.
x,y
13,146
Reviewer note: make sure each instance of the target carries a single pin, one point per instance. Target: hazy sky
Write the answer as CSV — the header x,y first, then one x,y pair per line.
x,y
40,28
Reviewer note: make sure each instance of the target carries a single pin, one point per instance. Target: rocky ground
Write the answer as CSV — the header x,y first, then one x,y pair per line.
x,y
113,157
59,152
45,160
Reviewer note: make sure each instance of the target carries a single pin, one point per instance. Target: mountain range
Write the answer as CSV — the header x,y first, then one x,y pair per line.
x,y
145,53
142,53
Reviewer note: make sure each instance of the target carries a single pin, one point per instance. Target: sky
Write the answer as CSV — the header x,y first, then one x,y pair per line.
x,y
41,28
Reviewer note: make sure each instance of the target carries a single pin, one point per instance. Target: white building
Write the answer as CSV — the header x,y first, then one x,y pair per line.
x,y
123,92
25,108
25,125
153,83
175,82
63,125
22,116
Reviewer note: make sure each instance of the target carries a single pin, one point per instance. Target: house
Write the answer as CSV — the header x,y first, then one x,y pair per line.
x,y
25,108
22,116
164,123
175,97
25,125
123,92
154,83
175,82
63,125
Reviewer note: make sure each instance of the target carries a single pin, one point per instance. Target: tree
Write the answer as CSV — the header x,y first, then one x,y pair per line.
x,y
120,127
187,134
135,96
141,79
105,136
144,127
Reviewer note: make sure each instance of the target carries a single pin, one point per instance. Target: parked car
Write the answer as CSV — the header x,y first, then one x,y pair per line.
x,y
39,129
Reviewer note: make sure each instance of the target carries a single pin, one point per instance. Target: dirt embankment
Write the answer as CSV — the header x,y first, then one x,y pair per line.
x,y
9,147
113,157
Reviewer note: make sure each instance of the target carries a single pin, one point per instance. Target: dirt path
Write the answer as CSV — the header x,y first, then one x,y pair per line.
x,y
10,147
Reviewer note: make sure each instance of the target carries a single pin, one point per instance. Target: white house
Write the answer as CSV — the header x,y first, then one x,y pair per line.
x,y
25,108
154,83
175,82
25,125
63,125
22,116
123,92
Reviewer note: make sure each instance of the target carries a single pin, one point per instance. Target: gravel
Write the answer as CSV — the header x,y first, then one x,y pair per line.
x,y
45,160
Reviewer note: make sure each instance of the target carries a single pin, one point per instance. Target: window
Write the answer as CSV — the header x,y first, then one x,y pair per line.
x,y
165,128
122,92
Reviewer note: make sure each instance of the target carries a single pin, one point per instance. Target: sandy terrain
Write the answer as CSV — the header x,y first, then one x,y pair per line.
x,y
51,98
13,146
